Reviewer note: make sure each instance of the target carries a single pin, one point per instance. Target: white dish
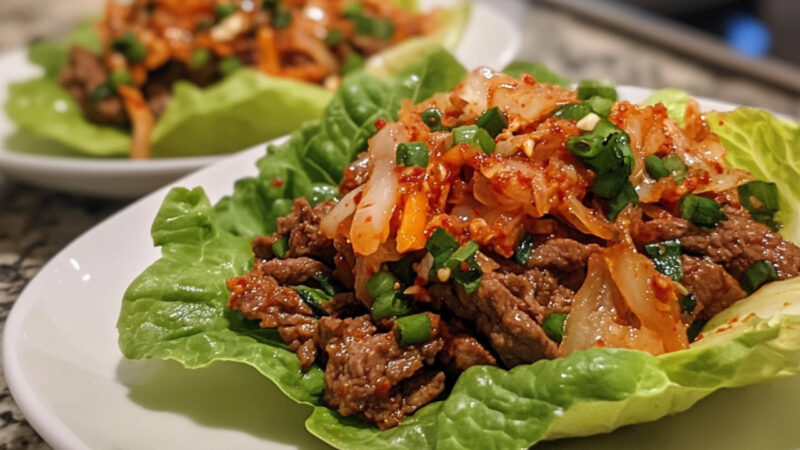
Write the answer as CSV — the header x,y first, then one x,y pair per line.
x,y
65,371
489,39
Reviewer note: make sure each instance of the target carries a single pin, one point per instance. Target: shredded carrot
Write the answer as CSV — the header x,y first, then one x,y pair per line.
x,y
141,118
411,234
268,62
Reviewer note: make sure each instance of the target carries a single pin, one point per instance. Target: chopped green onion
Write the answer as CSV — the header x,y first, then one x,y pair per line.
x,y
120,78
591,145
600,105
492,121
391,304
688,303
759,273
382,29
667,257
131,47
573,111
655,167
352,9
588,89
351,63
200,57
224,10
281,18
334,38
413,329
280,247
403,270
464,268
694,329
102,92
412,154
626,196
553,326
524,249
325,283
314,298
677,167
760,198
441,245
701,211
433,119
381,283
473,135
230,65
607,185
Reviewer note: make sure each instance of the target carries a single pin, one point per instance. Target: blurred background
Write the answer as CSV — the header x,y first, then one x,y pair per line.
x,y
742,51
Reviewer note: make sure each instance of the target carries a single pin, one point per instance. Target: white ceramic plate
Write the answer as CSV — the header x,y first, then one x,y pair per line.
x,y
65,371
489,39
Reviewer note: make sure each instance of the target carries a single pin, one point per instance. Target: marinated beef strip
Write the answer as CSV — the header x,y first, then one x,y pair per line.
x,y
83,73
735,243
565,258
713,287
301,230
369,373
505,310
260,297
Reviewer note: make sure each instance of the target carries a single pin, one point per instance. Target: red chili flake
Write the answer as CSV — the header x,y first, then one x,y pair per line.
x,y
277,182
599,343
383,387
380,123
699,336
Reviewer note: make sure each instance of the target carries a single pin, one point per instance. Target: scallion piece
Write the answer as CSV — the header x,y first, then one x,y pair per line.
x,y
688,303
224,10
626,196
120,77
675,165
391,304
666,256
403,270
524,249
381,283
473,135
280,247
382,29
413,329
655,167
230,65
701,211
441,245
131,47
492,121
433,119
351,63
314,298
591,145
607,185
573,111
325,283
600,105
588,89
334,38
412,154
759,273
760,198
553,326
200,57
281,18
352,9
102,92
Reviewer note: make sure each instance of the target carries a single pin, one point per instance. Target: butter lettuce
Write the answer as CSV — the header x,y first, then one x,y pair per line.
x,y
242,110
176,309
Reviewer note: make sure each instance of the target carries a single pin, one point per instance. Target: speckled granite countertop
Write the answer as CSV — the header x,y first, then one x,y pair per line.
x,y
35,224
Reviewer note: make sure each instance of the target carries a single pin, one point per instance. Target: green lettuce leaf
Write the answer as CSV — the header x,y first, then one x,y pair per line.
x,y
538,70
674,99
243,110
176,310
769,148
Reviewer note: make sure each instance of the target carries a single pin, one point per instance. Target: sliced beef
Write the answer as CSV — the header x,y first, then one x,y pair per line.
x,y
305,237
714,288
370,373
291,271
260,297
739,241
735,243
82,74
462,351
564,258
355,174
505,318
